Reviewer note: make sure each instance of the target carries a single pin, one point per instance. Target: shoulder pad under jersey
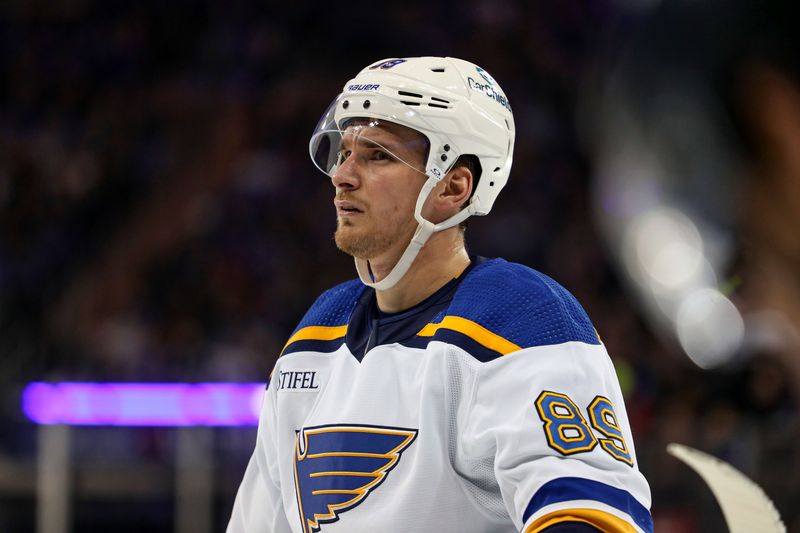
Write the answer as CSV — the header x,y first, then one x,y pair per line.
x,y
503,307
324,325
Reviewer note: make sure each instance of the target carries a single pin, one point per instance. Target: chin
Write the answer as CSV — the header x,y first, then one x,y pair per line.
x,y
354,242
348,240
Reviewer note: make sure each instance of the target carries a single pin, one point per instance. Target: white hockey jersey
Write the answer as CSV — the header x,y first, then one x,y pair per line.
x,y
490,407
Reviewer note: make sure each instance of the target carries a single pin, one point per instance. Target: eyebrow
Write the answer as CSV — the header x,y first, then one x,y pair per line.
x,y
358,139
366,141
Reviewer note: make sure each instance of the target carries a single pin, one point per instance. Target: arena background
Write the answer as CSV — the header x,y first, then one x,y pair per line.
x,y
160,221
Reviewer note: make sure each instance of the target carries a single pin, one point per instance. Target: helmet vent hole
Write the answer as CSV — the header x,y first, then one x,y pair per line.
x,y
436,99
496,169
406,93
438,69
491,184
410,103
440,106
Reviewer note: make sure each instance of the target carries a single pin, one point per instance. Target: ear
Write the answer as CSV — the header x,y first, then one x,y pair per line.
x,y
456,189
449,195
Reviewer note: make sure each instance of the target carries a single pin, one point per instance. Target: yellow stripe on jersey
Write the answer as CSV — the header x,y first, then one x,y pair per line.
x,y
317,333
605,522
473,330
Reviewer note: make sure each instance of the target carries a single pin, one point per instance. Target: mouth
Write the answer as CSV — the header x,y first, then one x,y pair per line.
x,y
346,209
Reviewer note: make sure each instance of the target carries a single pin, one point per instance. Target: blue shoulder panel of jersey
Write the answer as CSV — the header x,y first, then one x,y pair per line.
x,y
324,325
503,307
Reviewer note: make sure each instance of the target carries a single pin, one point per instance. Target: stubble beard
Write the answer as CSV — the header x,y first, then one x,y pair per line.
x,y
364,244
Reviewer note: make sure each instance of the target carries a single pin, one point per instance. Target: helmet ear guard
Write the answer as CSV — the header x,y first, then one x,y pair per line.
x,y
456,105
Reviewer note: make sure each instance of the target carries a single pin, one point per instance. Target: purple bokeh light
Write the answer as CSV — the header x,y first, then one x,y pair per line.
x,y
143,404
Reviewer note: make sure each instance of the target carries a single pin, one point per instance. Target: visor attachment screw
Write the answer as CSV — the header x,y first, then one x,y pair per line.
x,y
446,147
444,157
366,104
345,104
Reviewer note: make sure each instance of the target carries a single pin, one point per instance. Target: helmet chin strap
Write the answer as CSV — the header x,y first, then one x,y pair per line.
x,y
424,231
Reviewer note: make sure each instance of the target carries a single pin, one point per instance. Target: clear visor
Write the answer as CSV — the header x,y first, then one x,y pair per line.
x,y
371,141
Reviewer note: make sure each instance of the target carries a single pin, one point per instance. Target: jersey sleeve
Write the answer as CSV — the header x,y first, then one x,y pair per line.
x,y
547,409
259,505
554,420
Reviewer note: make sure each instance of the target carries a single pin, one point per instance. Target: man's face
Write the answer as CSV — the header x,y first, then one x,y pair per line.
x,y
377,188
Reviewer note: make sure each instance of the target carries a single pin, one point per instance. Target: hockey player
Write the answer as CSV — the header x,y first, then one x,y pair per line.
x,y
438,392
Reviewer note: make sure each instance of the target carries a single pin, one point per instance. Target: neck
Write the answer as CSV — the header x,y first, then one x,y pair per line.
x,y
441,259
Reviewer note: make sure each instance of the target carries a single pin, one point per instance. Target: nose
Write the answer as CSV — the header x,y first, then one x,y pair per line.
x,y
346,176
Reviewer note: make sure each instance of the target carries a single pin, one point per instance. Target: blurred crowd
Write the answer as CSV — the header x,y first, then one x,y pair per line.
x,y
160,219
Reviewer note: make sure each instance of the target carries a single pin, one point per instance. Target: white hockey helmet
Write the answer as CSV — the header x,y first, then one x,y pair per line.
x,y
456,105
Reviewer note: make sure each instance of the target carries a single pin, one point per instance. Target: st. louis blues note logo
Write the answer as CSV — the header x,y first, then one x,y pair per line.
x,y
337,467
